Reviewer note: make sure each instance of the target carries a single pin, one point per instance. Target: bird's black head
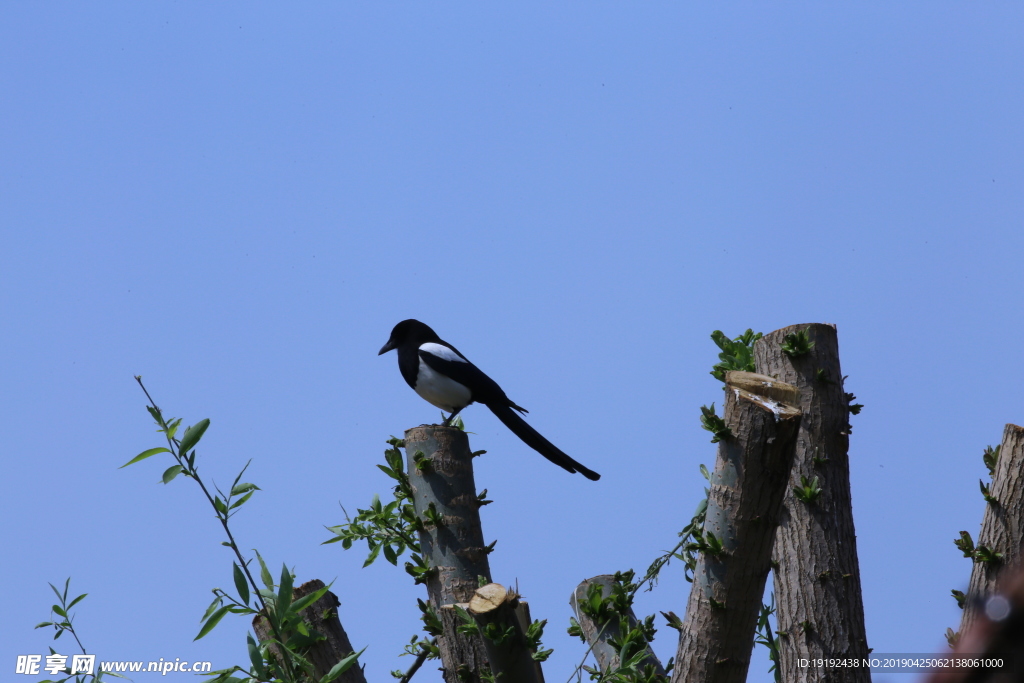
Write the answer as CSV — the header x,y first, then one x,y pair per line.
x,y
409,332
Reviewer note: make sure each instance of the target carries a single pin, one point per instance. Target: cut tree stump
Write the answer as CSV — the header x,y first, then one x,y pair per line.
x,y
820,612
499,611
322,617
744,502
440,466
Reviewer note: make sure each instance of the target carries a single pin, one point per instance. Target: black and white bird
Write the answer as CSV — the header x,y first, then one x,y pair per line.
x,y
445,378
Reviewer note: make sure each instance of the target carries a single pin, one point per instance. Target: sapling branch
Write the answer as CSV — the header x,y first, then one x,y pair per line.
x,y
427,650
990,457
769,640
66,624
390,529
714,424
180,450
986,493
736,354
809,490
980,553
965,544
952,638
796,344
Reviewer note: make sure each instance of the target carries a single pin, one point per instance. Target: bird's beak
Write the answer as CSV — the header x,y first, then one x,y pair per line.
x,y
387,347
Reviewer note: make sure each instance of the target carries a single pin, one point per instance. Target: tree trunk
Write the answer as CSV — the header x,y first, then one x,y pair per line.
x,y
599,634
817,576
1002,527
747,488
439,462
322,617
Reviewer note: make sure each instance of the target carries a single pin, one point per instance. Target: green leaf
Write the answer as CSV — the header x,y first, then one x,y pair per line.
x,y
256,657
170,473
284,595
77,600
241,585
390,556
224,676
239,489
737,354
673,621
143,455
341,667
374,552
241,501
796,344
211,622
714,424
57,610
212,608
991,457
239,477
965,543
192,435
307,600
268,580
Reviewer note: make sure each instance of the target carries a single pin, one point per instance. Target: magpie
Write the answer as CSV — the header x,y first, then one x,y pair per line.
x,y
445,378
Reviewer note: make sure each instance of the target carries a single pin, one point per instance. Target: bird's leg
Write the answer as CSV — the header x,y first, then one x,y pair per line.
x,y
448,420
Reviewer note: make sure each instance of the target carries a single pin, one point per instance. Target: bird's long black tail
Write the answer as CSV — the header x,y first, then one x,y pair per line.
x,y
532,438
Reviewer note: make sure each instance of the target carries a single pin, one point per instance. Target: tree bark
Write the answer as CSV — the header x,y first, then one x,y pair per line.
x,y
322,617
442,477
509,655
462,657
599,634
745,499
817,576
1002,527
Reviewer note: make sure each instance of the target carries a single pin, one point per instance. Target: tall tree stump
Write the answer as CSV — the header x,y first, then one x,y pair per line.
x,y
817,575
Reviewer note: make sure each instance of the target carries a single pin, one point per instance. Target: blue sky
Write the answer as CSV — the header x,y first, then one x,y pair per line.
x,y
239,201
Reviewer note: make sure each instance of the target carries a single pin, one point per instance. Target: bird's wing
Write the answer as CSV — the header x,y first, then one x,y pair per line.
x,y
446,360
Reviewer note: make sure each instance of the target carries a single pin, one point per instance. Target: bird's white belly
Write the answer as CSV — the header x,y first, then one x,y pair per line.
x,y
441,391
